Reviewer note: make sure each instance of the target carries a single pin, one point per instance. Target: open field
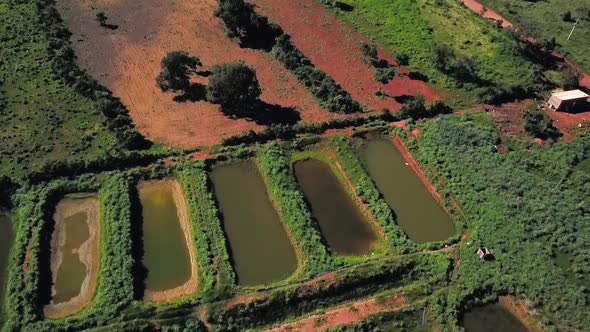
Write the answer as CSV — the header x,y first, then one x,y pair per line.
x,y
336,49
413,28
544,20
461,210
42,119
127,61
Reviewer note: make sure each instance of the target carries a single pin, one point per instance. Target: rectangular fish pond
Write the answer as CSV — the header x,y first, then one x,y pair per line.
x,y
260,249
74,255
416,210
168,250
492,318
6,238
341,222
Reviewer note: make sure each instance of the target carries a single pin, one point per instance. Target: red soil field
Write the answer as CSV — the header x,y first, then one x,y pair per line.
x,y
344,315
127,61
335,48
567,122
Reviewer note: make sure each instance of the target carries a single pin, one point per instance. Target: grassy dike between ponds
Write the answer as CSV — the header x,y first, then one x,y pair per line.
x,y
290,204
216,275
367,191
347,168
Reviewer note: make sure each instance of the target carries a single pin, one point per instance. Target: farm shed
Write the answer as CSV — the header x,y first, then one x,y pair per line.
x,y
568,100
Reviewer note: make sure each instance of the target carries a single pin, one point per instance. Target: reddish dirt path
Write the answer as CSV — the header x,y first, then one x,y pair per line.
x,y
567,122
335,48
344,315
492,15
127,60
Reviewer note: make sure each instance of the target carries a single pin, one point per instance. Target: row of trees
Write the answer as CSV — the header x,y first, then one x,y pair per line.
x,y
253,30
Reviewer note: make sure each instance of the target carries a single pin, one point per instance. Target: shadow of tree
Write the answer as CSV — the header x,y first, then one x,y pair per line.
x,y
195,92
263,113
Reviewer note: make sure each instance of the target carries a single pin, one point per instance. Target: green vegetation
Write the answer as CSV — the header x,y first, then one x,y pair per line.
x,y
548,20
253,30
235,87
177,68
43,118
538,124
282,186
524,203
216,276
453,47
368,193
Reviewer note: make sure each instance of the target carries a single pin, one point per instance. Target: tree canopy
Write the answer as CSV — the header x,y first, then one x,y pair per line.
x,y
177,68
234,86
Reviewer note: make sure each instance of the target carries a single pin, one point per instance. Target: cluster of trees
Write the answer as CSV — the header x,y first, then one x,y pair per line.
x,y
275,168
241,21
234,86
383,70
366,190
523,204
114,114
538,124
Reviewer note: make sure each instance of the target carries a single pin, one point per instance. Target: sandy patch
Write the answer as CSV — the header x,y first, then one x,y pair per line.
x,y
189,287
88,253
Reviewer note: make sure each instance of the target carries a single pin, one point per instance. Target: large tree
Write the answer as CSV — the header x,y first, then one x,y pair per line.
x,y
234,86
242,22
177,68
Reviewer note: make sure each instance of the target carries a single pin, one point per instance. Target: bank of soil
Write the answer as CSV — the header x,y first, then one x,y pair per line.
x,y
88,253
190,286
335,48
519,309
345,314
127,61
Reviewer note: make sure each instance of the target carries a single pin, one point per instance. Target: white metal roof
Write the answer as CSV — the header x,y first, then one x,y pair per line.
x,y
572,94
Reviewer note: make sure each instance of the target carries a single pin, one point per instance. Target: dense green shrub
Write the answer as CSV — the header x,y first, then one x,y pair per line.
x,y
235,87
283,190
538,124
370,195
525,203
177,68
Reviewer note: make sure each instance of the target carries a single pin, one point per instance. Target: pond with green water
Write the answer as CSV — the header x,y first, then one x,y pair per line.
x,y
417,212
166,256
260,248
342,224
491,318
72,271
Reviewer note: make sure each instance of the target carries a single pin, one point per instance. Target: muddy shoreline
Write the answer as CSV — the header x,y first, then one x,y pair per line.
x,y
189,287
88,253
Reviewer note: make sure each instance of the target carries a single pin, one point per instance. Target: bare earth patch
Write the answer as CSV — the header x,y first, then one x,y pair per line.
x,y
519,309
127,61
344,315
88,253
189,287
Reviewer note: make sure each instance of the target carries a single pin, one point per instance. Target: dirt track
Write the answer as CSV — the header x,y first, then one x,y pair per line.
x,y
127,61
88,253
344,315
335,48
